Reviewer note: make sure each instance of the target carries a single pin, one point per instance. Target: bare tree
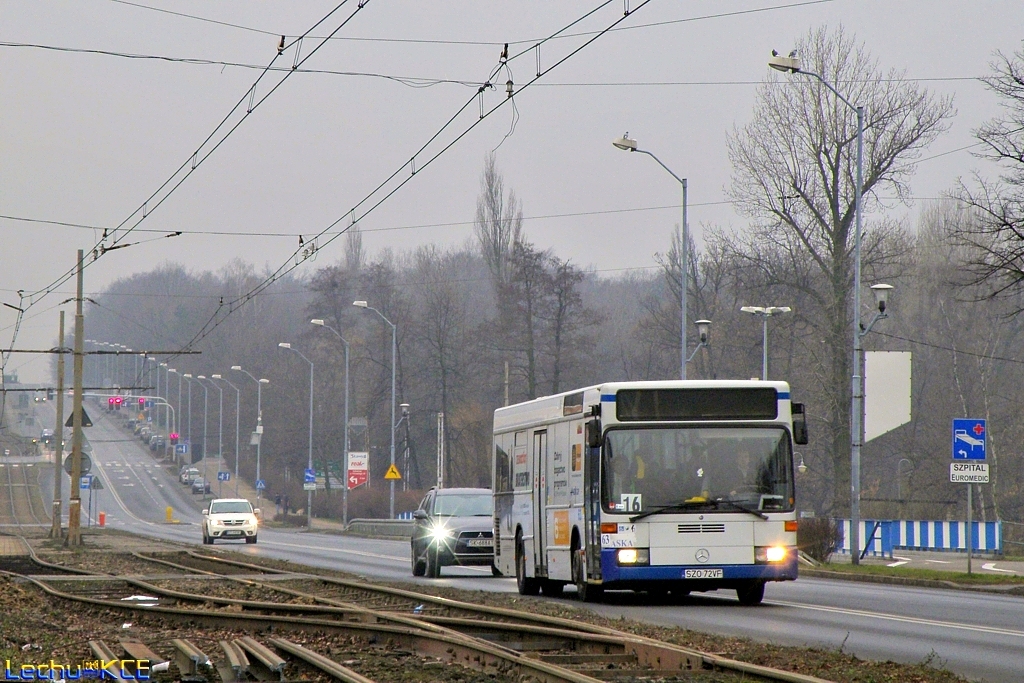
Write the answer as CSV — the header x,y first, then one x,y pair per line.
x,y
795,177
499,222
995,229
566,319
355,255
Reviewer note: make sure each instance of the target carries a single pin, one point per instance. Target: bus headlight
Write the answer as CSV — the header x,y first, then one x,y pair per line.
x,y
770,554
633,556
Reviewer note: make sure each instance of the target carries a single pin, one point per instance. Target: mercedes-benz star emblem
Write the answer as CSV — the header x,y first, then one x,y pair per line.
x,y
702,555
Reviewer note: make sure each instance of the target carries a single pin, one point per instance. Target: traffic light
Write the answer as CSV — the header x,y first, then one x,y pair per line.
x,y
142,403
110,403
117,402
173,436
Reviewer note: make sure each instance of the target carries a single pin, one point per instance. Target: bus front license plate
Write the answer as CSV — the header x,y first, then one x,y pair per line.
x,y
702,574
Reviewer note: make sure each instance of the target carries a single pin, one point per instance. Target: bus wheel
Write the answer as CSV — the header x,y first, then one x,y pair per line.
x,y
585,591
751,594
525,584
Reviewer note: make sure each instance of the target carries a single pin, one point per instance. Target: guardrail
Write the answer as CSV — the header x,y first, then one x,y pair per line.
x,y
376,528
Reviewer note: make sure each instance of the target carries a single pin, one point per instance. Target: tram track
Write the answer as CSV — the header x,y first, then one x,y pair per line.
x,y
495,640
19,510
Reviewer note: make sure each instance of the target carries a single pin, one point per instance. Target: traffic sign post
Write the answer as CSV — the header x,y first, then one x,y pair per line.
x,y
309,480
221,478
970,439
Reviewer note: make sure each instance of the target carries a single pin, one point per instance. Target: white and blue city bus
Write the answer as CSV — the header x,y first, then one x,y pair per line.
x,y
649,486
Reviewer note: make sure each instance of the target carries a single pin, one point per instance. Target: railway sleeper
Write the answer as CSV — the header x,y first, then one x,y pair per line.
x,y
188,657
264,656
136,652
237,661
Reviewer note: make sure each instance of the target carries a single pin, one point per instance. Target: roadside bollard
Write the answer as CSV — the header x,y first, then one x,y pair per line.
x,y
170,513
103,519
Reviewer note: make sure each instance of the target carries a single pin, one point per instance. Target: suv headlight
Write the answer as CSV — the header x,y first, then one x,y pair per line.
x,y
440,533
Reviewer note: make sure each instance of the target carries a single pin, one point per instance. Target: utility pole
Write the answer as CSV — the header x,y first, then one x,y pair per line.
x,y
440,450
58,435
75,508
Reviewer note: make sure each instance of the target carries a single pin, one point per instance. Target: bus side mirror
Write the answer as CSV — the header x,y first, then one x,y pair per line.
x,y
594,434
799,424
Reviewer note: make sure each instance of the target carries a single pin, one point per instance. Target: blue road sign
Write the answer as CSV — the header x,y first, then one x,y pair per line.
x,y
310,477
223,476
181,449
149,403
261,485
969,439
86,483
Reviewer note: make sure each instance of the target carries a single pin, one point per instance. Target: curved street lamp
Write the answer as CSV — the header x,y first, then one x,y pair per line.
x,y
309,493
792,64
394,348
627,144
344,489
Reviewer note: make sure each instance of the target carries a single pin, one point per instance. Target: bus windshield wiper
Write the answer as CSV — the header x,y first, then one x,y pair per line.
x,y
736,506
697,502
694,502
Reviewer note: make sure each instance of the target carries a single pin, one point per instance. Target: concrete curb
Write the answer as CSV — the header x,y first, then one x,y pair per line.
x,y
1004,589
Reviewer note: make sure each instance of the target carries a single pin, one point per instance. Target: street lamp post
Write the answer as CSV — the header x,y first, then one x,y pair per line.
x,y
188,428
765,312
394,348
704,336
344,490
220,426
309,493
792,64
238,402
259,423
206,453
167,389
629,145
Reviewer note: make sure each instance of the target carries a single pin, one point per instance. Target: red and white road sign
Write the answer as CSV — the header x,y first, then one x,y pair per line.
x,y
358,468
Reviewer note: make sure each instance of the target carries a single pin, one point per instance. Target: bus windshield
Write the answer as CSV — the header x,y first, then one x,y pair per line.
x,y
724,468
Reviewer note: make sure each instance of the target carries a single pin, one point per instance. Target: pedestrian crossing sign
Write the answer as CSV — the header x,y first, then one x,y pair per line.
x,y
392,473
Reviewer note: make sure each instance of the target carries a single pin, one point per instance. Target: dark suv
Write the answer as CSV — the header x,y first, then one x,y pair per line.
x,y
453,527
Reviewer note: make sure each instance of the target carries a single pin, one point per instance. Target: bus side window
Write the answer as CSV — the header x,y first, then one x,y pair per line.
x,y
502,464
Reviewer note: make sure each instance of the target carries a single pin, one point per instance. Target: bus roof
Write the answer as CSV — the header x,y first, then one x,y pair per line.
x,y
550,408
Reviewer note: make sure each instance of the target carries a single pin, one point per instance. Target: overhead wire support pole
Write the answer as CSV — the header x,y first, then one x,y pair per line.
x,y
74,538
58,438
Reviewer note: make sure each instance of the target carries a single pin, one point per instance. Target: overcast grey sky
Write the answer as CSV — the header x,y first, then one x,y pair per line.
x,y
85,138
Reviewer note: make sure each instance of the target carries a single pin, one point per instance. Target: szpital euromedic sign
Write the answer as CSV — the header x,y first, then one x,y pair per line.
x,y
968,472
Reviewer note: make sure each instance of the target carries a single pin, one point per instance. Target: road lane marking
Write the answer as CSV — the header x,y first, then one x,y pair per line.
x,y
902,619
991,566
361,553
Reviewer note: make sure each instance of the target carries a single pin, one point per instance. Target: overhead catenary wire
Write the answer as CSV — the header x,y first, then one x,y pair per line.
x,y
486,43
297,256
201,153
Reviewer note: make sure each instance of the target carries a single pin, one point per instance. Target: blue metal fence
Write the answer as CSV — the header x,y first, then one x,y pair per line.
x,y
881,537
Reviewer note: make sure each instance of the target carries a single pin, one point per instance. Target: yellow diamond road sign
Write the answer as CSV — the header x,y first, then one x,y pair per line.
x,y
392,473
